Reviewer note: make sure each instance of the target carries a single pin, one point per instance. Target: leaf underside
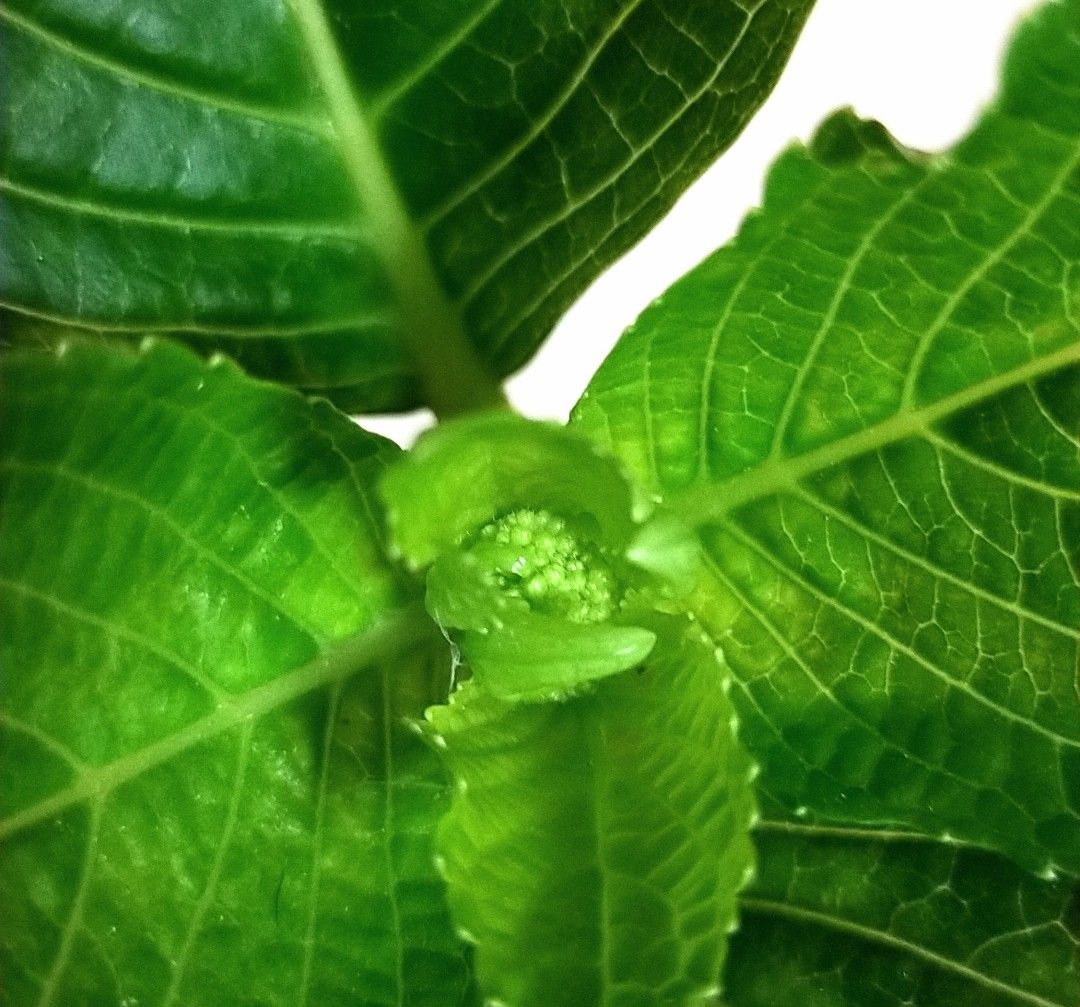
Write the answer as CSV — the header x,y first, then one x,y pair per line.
x,y
209,791
869,403
370,201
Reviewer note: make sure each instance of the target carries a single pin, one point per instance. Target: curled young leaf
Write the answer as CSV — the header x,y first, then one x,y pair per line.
x,y
595,847
469,472
536,549
599,835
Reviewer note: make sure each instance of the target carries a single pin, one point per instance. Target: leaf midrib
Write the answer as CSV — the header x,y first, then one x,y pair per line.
x,y
400,631
453,377
703,504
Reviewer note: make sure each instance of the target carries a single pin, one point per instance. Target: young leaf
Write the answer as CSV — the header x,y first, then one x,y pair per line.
x,y
879,441
463,474
527,532
388,202
595,847
202,802
600,831
841,917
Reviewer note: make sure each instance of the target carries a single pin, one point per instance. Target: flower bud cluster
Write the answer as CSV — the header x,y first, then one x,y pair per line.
x,y
535,556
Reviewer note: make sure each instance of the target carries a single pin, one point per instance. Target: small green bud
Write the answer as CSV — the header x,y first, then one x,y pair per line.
x,y
534,555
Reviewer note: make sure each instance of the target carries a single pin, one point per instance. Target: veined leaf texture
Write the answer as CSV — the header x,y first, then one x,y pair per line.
x,y
357,199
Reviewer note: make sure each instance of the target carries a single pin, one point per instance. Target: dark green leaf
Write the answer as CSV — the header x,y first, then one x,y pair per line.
x,y
379,201
841,917
870,404
202,802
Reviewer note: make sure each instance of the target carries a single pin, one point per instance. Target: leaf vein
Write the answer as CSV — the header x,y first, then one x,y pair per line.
x,y
187,328
874,935
387,842
214,878
312,230
78,905
317,834
118,631
785,570
1025,226
866,243
380,103
704,503
161,514
812,830
483,277
405,629
458,197
140,78
930,567
948,446
44,739
793,655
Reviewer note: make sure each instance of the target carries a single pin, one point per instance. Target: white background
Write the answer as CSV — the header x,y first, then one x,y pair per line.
x,y
923,67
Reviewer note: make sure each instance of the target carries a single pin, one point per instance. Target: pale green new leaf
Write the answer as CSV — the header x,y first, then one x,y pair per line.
x,y
843,917
209,794
595,847
870,404
389,202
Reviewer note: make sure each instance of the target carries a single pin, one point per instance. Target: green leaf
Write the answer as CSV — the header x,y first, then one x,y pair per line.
x,y
546,658
600,830
209,793
594,847
390,203
463,474
841,917
870,403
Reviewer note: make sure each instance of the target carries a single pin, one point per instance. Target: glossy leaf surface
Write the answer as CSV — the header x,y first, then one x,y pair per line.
x,y
870,404
378,201
209,794
595,847
842,917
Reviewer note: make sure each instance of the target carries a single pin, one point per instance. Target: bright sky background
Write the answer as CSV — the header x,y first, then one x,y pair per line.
x,y
923,67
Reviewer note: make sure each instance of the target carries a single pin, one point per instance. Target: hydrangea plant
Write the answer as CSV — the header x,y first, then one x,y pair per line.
x,y
757,683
